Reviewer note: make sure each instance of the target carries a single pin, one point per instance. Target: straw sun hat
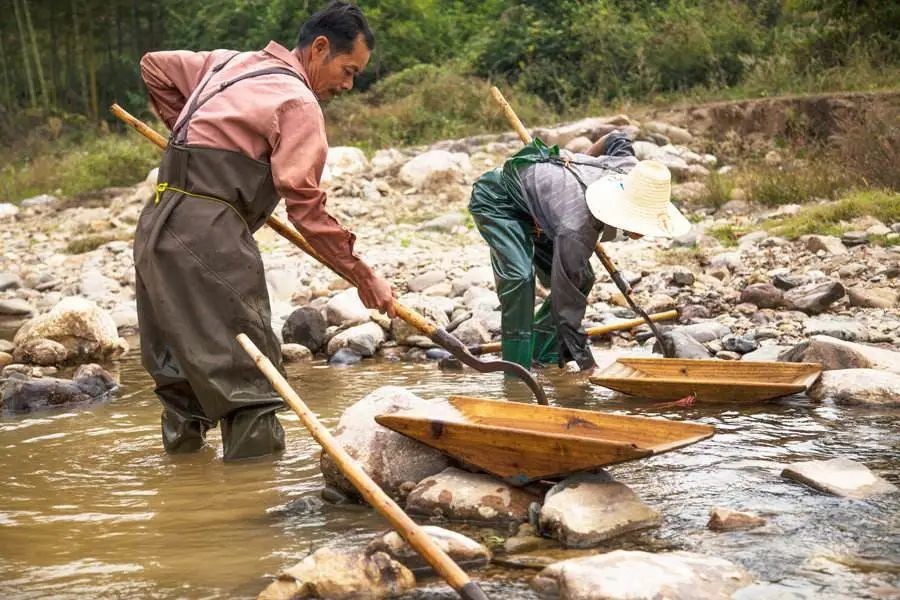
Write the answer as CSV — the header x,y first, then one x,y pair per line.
x,y
638,202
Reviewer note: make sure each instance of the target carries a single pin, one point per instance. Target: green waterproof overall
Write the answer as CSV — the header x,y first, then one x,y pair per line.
x,y
519,251
200,282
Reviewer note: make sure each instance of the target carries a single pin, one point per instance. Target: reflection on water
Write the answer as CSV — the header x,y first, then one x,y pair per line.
x,y
90,506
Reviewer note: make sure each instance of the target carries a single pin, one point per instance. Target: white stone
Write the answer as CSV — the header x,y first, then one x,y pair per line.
x,y
346,309
343,161
365,338
858,386
295,352
635,575
387,160
840,477
8,211
435,167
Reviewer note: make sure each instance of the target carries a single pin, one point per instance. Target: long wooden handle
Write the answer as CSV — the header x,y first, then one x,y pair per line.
x,y
282,228
511,115
593,332
373,494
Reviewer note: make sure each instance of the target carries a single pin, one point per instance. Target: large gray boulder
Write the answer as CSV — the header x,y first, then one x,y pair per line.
x,y
681,345
834,354
458,495
389,458
858,386
587,509
840,477
634,575
83,328
342,574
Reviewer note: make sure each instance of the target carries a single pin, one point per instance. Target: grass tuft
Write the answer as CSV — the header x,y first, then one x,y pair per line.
x,y
833,218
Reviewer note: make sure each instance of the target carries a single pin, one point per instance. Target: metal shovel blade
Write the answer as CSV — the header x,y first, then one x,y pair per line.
x,y
461,353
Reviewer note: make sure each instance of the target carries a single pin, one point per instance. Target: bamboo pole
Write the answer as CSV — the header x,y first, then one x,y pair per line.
x,y
592,332
373,494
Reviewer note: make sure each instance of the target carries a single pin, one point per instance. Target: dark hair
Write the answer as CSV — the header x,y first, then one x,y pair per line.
x,y
341,23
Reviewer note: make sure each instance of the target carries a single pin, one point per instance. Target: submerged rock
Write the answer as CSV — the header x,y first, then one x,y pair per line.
x,y
351,574
345,356
464,551
839,476
631,575
584,510
365,339
389,458
725,519
22,394
458,495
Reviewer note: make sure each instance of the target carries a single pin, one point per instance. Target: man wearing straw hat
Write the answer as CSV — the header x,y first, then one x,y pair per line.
x,y
542,214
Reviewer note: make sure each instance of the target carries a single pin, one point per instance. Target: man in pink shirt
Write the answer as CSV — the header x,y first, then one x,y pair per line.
x,y
247,130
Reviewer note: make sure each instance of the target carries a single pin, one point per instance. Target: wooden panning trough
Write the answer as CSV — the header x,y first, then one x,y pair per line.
x,y
707,380
525,442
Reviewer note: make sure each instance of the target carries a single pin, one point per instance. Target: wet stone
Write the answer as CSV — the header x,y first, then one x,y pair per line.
x,y
464,551
22,394
305,326
669,575
833,353
585,510
725,519
858,386
840,477
345,356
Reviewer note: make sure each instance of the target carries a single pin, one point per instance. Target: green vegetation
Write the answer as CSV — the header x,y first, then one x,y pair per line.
x,y
87,243
833,218
726,234
62,63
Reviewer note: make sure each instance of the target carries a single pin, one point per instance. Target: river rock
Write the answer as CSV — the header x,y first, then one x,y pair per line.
x,y
41,352
97,287
344,160
86,331
305,326
741,344
39,200
786,282
833,354
858,386
345,309
342,574
472,332
768,353
681,345
458,495
90,383
840,477
431,308
8,211
14,307
814,298
635,575
829,244
705,331
849,330
763,295
587,509
445,223
464,551
424,281
345,356
390,458
5,359
435,168
725,519
295,353
9,281
477,277
872,297
365,339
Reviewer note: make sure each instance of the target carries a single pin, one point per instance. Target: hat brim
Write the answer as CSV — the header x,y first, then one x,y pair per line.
x,y
607,201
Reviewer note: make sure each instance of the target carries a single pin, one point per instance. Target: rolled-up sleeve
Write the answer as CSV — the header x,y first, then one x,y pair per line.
x,y
170,78
299,150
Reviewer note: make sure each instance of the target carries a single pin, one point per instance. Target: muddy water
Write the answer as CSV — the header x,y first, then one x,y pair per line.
x,y
90,507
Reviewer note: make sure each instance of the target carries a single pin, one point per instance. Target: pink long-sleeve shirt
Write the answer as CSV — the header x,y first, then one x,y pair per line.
x,y
275,118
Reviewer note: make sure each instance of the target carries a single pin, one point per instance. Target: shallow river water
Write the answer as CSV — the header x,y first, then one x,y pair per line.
x,y
90,506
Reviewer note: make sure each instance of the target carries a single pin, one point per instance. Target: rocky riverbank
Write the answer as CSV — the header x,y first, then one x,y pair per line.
x,y
67,298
